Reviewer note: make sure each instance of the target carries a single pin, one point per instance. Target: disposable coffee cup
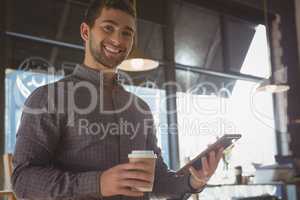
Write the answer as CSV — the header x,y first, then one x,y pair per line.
x,y
148,157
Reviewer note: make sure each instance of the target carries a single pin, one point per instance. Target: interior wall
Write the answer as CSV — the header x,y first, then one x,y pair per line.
x,y
2,64
297,2
294,110
290,34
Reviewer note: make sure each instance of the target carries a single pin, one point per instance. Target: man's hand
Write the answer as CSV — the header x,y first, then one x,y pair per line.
x,y
120,179
198,179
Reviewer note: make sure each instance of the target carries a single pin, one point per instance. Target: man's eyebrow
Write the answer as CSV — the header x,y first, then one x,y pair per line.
x,y
110,21
115,23
129,28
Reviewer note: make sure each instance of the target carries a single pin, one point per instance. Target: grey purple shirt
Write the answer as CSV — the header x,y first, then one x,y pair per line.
x,y
74,129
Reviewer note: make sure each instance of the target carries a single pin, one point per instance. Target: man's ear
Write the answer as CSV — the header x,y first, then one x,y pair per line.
x,y
84,31
133,45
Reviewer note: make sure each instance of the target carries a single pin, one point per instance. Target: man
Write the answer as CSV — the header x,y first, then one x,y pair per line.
x,y
72,144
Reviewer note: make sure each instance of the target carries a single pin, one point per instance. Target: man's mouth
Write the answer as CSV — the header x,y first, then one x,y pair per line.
x,y
112,50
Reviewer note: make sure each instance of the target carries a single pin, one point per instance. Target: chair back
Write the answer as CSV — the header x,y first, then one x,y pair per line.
x,y
8,170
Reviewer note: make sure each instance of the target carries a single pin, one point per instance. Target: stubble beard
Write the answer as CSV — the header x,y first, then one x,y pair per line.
x,y
100,57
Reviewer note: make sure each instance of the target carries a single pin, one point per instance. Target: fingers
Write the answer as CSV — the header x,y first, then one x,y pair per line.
x,y
129,192
198,175
215,157
135,166
138,175
210,163
220,154
138,170
120,180
135,183
212,158
205,166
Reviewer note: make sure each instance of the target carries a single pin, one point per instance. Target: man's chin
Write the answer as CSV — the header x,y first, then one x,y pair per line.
x,y
110,65
113,65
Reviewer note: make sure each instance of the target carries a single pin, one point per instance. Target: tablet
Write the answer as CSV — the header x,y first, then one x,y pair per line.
x,y
225,141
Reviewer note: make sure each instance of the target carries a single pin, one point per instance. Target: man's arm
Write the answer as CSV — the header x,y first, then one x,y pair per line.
x,y
167,184
34,176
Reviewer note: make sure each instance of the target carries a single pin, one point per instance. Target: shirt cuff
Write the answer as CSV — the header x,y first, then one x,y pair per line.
x,y
89,184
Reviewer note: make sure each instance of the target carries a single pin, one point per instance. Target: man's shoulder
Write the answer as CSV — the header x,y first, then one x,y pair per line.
x,y
48,91
66,79
55,84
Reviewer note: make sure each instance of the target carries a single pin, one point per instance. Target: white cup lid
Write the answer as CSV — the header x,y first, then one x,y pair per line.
x,y
142,154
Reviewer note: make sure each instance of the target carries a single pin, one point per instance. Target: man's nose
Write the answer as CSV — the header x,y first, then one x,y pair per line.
x,y
116,38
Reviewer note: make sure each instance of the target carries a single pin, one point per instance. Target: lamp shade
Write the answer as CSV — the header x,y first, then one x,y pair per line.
x,y
270,87
137,62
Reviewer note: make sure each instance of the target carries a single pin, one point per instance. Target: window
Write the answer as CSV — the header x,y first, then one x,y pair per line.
x,y
18,86
155,98
202,116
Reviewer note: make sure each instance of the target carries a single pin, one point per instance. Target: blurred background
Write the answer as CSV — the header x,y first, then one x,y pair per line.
x,y
221,55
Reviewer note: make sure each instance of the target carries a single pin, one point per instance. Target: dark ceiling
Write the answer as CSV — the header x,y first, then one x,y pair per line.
x,y
198,40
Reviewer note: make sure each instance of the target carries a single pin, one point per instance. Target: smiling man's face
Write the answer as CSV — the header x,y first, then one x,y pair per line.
x,y
110,40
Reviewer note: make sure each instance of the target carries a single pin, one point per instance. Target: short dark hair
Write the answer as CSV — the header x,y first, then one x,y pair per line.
x,y
96,6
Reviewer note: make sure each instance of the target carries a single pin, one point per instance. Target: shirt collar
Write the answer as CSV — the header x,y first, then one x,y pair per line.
x,y
95,76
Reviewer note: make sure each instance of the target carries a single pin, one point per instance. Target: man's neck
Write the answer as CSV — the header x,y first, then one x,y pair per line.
x,y
108,72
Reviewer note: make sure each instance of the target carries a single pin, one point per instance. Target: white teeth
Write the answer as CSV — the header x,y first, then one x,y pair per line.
x,y
113,50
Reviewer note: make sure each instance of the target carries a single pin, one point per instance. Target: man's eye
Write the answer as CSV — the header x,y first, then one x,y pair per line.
x,y
108,29
127,34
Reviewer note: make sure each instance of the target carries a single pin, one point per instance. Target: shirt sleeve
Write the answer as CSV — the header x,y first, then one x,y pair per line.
x,y
167,184
34,175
